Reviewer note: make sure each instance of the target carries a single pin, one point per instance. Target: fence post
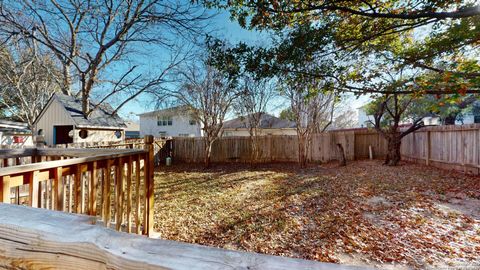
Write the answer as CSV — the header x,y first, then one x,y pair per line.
x,y
149,185
427,153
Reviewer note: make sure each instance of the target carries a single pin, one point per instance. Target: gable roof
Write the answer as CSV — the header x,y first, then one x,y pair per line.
x,y
266,121
183,109
100,117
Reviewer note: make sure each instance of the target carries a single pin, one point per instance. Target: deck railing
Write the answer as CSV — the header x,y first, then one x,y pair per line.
x,y
114,185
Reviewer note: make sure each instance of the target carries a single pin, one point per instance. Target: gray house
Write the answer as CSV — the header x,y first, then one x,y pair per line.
x,y
269,125
62,121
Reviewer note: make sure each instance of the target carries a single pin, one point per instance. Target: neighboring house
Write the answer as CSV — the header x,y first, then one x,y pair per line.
x,y
62,121
132,131
364,119
172,122
15,134
269,125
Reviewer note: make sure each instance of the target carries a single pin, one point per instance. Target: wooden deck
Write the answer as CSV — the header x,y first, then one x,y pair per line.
x,y
113,185
32,238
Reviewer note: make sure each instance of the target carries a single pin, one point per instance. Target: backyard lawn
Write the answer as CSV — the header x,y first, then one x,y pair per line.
x,y
363,214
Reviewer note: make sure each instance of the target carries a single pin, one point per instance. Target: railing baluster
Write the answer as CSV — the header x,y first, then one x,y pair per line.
x,y
33,188
107,193
92,200
137,194
77,182
129,194
58,189
5,189
70,194
119,193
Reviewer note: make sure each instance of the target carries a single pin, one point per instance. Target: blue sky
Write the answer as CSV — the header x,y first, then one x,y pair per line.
x,y
231,31
225,29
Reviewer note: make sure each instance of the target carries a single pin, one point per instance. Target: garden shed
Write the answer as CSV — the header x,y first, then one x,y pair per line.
x,y
62,121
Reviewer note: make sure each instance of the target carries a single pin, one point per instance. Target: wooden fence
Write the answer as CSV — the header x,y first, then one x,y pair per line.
x,y
114,184
451,147
272,148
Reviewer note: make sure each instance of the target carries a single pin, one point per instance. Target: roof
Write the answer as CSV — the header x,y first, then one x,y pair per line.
x,y
175,109
100,117
13,125
266,121
132,126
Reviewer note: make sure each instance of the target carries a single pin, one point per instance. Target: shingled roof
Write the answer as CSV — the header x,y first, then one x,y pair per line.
x,y
266,121
100,117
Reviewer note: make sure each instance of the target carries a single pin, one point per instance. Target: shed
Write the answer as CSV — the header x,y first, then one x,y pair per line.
x,y
62,121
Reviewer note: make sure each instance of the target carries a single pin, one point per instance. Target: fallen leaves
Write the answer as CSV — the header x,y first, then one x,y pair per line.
x,y
385,214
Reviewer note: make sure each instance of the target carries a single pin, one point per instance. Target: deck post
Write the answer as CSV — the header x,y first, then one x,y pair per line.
x,y
149,185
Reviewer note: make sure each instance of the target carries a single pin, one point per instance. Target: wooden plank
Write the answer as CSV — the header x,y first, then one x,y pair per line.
x,y
67,162
149,184
33,188
77,189
55,240
129,195
107,192
137,194
5,189
58,189
119,193
92,201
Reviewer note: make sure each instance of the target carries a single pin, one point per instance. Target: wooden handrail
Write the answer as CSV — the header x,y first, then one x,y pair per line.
x,y
75,180
66,162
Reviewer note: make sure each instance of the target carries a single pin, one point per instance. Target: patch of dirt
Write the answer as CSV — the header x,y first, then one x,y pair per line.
x,y
410,216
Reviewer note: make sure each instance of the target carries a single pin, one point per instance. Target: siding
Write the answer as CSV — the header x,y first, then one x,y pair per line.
x,y
54,115
180,125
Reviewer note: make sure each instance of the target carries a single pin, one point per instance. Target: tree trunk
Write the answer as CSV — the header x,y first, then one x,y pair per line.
x,y
208,153
343,160
302,159
393,155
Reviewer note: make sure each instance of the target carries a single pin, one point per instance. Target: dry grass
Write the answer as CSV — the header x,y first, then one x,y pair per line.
x,y
364,213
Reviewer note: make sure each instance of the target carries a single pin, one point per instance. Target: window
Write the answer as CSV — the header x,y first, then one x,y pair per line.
x,y
183,135
162,133
476,119
227,133
192,122
83,133
164,121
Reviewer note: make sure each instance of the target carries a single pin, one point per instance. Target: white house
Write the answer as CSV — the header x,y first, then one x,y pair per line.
x,y
171,122
269,125
62,121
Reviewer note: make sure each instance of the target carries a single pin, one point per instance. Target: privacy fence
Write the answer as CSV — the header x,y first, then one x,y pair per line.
x,y
452,147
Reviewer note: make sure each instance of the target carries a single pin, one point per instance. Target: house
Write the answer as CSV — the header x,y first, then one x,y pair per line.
x,y
132,131
171,122
15,134
364,119
62,121
269,125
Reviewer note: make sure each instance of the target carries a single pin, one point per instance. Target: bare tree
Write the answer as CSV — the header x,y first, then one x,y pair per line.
x,y
254,97
346,118
209,95
27,80
96,42
312,109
